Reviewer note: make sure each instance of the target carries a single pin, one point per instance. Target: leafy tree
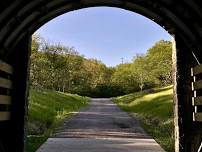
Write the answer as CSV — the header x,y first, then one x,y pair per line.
x,y
139,70
123,77
159,62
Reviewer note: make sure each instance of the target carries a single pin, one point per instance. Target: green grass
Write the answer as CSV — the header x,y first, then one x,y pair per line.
x,y
47,110
155,112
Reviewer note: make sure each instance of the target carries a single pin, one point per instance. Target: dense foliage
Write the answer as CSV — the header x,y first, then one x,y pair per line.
x,y
62,68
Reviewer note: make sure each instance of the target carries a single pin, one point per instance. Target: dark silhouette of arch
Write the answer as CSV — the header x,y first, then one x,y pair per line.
x,y
20,18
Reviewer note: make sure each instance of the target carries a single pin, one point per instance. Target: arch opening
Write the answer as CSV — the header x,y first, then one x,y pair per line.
x,y
54,34
19,19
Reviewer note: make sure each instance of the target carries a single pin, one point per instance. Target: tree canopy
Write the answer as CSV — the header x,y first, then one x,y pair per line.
x,y
61,68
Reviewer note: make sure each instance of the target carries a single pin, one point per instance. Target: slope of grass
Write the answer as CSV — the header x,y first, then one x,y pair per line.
x,y
48,109
155,112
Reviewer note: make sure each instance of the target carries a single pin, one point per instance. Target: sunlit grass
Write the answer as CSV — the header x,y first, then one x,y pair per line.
x,y
155,111
47,109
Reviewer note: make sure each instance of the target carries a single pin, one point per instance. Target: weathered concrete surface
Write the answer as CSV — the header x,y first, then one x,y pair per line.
x,y
100,145
101,127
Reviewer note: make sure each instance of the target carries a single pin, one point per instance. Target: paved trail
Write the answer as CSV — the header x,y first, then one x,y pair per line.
x,y
101,127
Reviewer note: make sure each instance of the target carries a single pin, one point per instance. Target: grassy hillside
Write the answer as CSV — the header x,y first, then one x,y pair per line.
x,y
47,109
155,111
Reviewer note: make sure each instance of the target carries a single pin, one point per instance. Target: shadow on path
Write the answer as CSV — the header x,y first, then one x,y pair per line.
x,y
102,126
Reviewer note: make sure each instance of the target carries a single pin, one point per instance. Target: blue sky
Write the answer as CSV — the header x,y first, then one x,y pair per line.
x,y
107,34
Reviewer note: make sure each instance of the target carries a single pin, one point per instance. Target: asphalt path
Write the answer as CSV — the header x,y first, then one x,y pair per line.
x,y
101,127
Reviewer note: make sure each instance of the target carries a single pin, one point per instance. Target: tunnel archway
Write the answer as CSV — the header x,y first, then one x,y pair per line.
x,y
20,18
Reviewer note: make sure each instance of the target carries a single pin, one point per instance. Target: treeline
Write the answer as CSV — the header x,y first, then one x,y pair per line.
x,y
62,68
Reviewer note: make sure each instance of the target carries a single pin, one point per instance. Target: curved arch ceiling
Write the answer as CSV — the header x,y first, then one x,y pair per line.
x,y
23,17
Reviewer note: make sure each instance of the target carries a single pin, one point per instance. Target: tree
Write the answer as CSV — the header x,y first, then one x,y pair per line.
x,y
139,71
159,59
124,78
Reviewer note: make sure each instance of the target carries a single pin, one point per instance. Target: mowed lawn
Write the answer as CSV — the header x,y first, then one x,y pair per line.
x,y
155,112
47,110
